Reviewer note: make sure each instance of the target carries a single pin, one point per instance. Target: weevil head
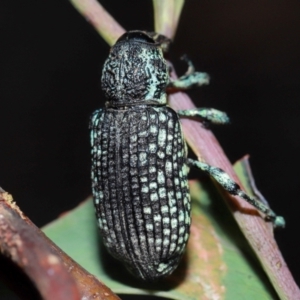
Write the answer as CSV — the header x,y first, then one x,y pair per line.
x,y
135,71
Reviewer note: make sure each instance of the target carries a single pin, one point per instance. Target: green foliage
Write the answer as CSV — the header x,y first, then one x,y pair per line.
x,y
218,263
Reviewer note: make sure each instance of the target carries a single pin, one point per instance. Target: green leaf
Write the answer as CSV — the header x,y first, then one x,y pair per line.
x,y
218,263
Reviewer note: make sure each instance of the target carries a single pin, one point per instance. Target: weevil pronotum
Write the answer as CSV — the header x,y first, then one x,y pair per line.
x,y
139,159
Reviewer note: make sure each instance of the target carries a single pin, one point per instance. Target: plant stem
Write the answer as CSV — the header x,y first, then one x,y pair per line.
x,y
256,230
54,273
102,21
166,16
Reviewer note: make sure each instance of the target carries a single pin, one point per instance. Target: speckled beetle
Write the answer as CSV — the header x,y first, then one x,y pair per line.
x,y
139,160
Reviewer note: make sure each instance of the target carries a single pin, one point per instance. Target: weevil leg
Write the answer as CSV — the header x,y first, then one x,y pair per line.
x,y
190,79
207,115
191,68
234,189
162,40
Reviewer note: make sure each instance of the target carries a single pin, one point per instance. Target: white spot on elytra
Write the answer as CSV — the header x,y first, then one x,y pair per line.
x,y
162,192
149,227
153,185
158,242
160,177
168,167
143,179
162,117
152,169
172,247
173,210
153,197
181,216
152,148
161,154
153,129
151,241
166,220
166,242
174,223
164,209
147,210
179,195
162,135
145,189
169,149
162,267
157,218
174,237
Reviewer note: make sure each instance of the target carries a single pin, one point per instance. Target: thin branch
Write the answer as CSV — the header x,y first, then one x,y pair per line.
x,y
256,230
166,16
54,273
102,21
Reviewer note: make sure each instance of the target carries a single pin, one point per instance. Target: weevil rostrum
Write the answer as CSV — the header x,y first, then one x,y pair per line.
x,y
139,159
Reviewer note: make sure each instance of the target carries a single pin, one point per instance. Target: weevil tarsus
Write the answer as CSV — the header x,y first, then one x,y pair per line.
x,y
234,189
206,115
191,68
190,79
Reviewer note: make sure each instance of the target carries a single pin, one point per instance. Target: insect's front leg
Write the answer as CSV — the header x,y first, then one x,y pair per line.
x,y
234,189
190,79
162,40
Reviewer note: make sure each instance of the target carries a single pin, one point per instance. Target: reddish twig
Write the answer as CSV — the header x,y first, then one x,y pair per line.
x,y
54,273
205,146
102,21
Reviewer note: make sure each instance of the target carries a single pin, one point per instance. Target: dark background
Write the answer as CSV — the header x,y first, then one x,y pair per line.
x,y
51,61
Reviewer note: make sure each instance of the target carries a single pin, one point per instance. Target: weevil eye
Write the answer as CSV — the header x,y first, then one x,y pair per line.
x,y
136,36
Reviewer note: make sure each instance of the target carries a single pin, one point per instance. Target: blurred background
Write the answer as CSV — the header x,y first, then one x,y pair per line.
x,y
51,61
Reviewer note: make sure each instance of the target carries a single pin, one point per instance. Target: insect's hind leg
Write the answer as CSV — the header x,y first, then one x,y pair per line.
x,y
234,189
190,79
206,115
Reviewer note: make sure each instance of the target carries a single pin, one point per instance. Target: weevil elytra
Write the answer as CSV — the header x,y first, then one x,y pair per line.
x,y
139,159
